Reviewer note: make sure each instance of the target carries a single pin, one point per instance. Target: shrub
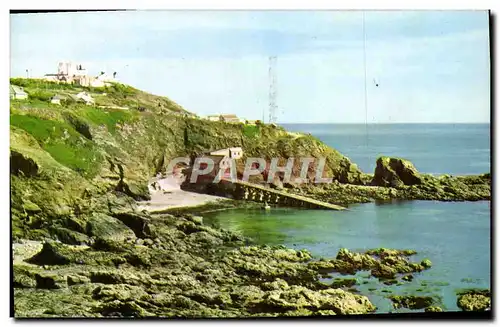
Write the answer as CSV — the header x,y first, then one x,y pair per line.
x,y
251,130
120,89
109,117
41,95
68,101
42,84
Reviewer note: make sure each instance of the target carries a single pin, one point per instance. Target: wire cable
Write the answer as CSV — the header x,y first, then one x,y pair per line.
x,y
366,92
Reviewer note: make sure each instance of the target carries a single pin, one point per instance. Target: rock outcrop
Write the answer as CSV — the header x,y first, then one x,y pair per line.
x,y
384,264
474,300
395,172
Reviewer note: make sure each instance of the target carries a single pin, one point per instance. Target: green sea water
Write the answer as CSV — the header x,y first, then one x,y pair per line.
x,y
455,236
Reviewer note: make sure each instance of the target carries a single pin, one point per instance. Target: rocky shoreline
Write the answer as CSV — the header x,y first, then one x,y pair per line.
x,y
405,183
161,265
119,261
182,269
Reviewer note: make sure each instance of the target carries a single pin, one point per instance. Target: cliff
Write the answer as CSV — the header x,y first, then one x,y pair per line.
x,y
71,159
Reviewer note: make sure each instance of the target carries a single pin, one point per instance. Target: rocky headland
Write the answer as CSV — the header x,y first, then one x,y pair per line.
x,y
83,248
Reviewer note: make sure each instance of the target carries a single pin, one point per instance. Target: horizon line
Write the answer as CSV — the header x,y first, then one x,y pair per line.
x,y
392,123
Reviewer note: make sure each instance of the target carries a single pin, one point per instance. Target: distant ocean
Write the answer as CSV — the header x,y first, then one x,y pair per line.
x,y
456,149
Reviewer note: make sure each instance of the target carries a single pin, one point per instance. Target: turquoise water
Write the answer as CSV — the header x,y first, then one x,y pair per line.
x,y
455,236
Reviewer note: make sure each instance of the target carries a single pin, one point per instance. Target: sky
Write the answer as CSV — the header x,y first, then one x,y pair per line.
x,y
430,66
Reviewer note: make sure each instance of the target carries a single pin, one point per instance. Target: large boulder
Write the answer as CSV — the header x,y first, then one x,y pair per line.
x,y
395,172
50,254
137,191
107,227
137,222
69,236
349,173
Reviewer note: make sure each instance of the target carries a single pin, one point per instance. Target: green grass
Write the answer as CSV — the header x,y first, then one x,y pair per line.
x,y
41,129
80,159
108,117
30,103
62,142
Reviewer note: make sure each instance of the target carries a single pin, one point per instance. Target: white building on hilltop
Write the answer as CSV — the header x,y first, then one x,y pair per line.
x,y
68,72
71,69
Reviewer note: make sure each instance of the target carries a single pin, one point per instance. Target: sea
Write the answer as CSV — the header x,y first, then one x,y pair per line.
x,y
455,236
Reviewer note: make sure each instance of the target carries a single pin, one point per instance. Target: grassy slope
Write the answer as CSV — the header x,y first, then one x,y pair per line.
x,y
78,147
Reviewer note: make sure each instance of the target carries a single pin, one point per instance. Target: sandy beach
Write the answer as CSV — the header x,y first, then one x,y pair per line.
x,y
167,194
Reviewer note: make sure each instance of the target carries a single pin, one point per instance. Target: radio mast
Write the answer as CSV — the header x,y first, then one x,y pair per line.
x,y
273,92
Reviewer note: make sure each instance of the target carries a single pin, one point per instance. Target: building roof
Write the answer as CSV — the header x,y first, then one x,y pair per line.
x,y
17,89
229,116
85,96
216,159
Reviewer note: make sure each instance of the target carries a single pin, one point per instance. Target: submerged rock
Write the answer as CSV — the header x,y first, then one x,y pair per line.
x,y
408,278
344,282
411,301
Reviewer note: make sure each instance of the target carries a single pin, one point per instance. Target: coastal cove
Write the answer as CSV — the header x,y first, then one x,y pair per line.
x,y
100,224
251,165
455,236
